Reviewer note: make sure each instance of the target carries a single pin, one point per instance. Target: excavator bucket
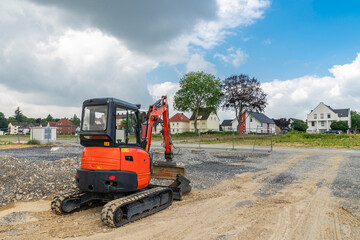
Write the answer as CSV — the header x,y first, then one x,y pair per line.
x,y
172,171
167,170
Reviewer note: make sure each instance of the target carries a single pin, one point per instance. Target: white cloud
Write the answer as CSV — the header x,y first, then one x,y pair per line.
x,y
197,64
168,89
236,57
297,97
55,54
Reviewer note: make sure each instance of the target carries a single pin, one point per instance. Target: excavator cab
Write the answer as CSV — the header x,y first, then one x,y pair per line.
x,y
109,122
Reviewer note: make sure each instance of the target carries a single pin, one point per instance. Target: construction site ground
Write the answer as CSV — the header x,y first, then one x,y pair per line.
x,y
290,193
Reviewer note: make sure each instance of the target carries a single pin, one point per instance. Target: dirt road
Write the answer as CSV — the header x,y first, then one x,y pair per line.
x,y
296,195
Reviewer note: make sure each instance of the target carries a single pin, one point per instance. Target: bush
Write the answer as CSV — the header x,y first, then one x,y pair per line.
x,y
299,125
33,142
339,125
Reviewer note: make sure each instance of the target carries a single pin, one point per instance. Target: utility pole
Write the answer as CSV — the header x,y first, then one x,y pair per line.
x,y
199,138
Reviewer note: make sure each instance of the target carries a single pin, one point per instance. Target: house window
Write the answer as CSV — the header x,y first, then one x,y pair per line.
x,y
329,115
322,123
177,124
251,119
173,124
313,124
315,116
322,116
177,130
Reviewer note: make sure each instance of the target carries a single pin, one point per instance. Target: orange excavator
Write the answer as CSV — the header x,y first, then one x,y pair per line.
x,y
116,164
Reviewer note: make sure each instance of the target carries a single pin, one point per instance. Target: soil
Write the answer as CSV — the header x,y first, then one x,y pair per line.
x,y
287,194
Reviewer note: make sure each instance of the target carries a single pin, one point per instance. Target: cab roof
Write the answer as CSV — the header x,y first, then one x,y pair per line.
x,y
117,102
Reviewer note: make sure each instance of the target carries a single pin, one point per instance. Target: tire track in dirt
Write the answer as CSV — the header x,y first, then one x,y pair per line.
x,y
317,215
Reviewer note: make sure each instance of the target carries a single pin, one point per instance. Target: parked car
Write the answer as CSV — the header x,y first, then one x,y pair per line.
x,y
333,131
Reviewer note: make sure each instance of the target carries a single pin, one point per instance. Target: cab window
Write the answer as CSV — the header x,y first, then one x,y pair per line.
x,y
95,118
126,126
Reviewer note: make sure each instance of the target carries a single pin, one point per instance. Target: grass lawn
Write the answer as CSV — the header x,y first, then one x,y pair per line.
x,y
27,137
292,139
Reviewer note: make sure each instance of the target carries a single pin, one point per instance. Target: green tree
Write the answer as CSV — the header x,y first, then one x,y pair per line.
x,y
18,115
355,120
75,120
299,125
11,119
198,90
3,122
339,125
49,118
30,120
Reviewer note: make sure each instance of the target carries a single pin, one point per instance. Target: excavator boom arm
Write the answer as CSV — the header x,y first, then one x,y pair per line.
x,y
160,108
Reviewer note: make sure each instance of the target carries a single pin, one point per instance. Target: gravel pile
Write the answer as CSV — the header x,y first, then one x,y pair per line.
x,y
23,179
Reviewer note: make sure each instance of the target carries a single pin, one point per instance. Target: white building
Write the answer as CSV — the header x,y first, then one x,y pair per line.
x,y
205,121
226,125
19,128
320,119
43,134
179,123
255,122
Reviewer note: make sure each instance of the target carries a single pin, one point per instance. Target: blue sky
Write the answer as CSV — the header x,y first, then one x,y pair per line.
x,y
55,54
293,39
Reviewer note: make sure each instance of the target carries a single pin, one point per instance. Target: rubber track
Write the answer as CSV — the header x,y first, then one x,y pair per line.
x,y
56,204
108,211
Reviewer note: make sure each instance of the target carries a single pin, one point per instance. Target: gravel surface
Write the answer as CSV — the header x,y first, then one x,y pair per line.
x,y
43,153
41,172
347,184
295,173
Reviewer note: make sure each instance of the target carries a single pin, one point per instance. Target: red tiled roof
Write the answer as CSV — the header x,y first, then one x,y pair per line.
x,y
120,116
52,124
64,122
179,117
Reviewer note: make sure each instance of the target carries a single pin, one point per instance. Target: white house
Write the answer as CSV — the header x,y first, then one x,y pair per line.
x,y
226,125
205,121
19,128
320,119
255,122
179,123
157,127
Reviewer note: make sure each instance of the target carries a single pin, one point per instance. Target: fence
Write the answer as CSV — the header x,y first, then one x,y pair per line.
x,y
253,137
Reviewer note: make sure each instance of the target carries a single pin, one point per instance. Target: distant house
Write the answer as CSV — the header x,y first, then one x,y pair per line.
x,y
65,126
226,125
321,117
205,121
20,128
119,118
179,123
51,124
157,127
255,122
